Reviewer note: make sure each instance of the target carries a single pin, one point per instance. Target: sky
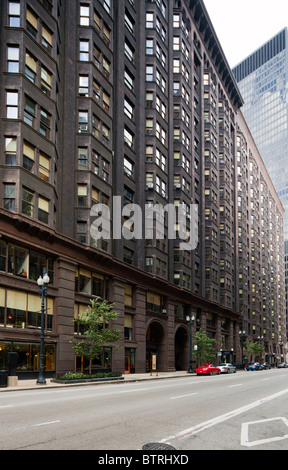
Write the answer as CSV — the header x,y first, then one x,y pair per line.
x,y
242,26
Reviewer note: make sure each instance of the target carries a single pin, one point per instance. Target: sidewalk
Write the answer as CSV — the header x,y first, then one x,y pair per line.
x,y
32,385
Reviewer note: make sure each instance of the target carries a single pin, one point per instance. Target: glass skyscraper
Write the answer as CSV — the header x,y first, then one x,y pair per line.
x,y
263,82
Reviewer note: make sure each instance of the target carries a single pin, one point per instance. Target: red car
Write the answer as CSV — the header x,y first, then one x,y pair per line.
x,y
207,369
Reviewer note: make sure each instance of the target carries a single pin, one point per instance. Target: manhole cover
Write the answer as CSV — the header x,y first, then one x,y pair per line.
x,y
157,446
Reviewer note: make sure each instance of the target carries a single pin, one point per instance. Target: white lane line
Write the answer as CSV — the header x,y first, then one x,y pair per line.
x,y
220,419
236,385
47,423
6,406
134,390
183,396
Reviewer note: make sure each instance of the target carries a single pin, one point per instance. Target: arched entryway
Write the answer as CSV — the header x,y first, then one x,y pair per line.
x,y
155,347
181,348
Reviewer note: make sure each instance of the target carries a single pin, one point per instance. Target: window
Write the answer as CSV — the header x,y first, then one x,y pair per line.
x,y
129,80
128,297
128,167
106,102
12,105
17,261
46,40
2,256
107,5
9,196
149,20
45,123
128,196
149,73
149,46
84,50
28,156
44,167
82,232
84,15
106,67
82,158
13,59
43,210
31,23
129,22
128,137
46,81
82,195
128,327
30,67
29,111
83,121
10,150
83,85
149,181
128,108
154,302
14,14
27,202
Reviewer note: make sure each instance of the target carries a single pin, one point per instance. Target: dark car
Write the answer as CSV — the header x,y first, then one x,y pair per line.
x,y
266,365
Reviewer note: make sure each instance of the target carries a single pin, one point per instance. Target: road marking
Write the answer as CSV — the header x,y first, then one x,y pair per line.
x,y
134,390
236,385
220,419
245,433
183,396
7,406
46,424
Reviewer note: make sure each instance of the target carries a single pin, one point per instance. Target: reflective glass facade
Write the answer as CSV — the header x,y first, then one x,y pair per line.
x,y
262,80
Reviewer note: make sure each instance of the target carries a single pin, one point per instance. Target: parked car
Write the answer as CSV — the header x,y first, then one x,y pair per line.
x,y
207,369
282,364
253,366
226,368
266,365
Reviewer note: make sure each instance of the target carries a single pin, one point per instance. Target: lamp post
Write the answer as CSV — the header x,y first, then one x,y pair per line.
x,y
190,321
242,335
42,283
260,339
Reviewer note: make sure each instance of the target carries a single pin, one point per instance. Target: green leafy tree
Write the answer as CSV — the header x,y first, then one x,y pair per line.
x,y
206,348
256,349
94,325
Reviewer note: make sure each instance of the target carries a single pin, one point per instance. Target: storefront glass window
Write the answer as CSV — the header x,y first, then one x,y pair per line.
x,y
28,356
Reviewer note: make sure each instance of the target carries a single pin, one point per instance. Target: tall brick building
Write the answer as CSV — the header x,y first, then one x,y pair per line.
x,y
105,98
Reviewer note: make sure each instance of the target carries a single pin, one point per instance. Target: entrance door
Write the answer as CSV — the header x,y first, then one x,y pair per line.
x,y
79,364
127,364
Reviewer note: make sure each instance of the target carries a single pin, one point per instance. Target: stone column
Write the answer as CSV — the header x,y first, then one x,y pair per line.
x,y
64,314
117,291
140,329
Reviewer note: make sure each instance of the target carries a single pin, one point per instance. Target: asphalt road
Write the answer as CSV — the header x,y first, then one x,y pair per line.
x,y
242,411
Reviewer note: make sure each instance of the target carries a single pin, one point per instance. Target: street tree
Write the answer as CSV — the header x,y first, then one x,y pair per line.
x,y
206,348
256,349
94,324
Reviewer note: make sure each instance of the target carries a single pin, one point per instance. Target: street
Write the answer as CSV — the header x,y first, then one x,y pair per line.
x,y
242,411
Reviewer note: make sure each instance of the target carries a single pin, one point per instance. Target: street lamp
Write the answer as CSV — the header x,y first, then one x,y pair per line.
x,y
260,339
190,321
242,336
42,283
